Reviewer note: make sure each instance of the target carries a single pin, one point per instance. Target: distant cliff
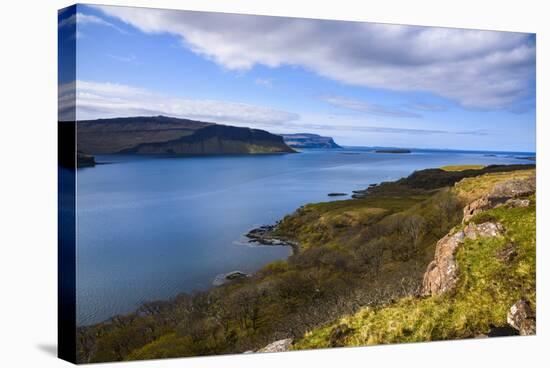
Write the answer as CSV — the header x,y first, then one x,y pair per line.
x,y
166,135
218,139
307,140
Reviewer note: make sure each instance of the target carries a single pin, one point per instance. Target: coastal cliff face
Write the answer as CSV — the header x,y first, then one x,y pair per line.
x,y
218,139
307,140
166,135
361,276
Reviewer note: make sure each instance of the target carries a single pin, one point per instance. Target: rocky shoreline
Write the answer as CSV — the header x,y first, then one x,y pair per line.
x,y
265,235
227,277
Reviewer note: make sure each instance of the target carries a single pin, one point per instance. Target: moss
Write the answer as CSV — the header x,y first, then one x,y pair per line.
x,y
167,346
462,167
486,290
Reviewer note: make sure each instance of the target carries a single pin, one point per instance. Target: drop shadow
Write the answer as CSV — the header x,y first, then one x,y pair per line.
x,y
50,349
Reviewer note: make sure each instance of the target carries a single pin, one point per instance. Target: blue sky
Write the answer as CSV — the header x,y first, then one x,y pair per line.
x,y
361,83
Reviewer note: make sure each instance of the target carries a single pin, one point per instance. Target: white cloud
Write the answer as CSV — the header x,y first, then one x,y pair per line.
x,y
85,19
478,69
368,108
103,100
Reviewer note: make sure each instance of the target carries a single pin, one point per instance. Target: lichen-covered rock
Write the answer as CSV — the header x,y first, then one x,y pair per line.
x,y
518,202
522,317
442,273
477,206
277,346
484,230
515,188
505,193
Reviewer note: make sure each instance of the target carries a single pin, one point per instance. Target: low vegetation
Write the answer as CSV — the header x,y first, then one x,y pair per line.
x,y
461,167
488,286
363,258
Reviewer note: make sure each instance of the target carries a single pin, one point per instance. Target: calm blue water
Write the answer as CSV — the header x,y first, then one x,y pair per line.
x,y
150,228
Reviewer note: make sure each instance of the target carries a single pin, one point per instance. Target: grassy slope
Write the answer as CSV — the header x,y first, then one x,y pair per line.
x,y
461,167
331,223
486,290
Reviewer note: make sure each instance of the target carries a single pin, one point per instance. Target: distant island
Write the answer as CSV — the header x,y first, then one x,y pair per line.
x,y
308,140
167,135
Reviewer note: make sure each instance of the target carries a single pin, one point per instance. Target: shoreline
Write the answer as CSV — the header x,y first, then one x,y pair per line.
x,y
265,235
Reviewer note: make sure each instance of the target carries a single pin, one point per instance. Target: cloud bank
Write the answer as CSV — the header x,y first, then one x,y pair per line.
x,y
368,108
477,69
103,100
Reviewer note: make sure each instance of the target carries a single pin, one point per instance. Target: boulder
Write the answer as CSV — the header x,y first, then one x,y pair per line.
x,y
522,317
515,188
442,272
484,230
517,203
277,346
505,193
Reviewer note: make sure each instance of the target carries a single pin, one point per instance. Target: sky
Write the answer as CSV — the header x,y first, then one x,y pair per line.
x,y
364,84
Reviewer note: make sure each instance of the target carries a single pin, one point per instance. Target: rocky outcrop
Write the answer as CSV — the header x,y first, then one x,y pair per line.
x,y
264,235
506,193
442,273
277,346
484,230
517,202
227,277
522,318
